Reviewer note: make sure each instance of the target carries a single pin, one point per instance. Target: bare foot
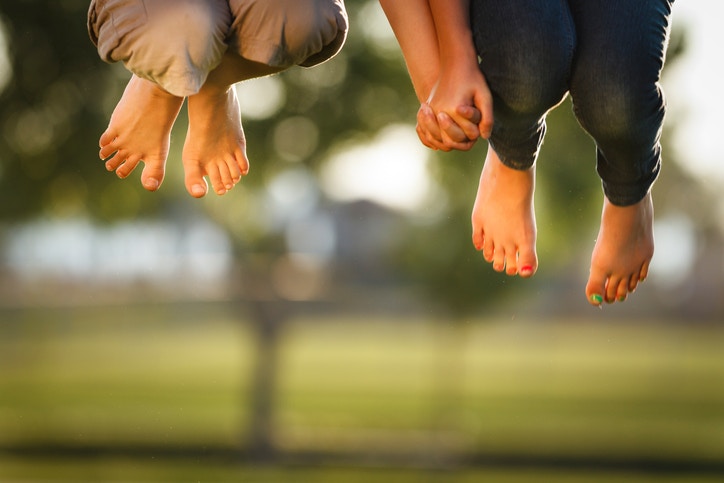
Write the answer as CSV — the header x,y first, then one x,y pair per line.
x,y
140,130
623,251
503,217
215,144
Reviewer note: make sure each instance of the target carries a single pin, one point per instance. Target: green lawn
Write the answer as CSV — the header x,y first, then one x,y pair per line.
x,y
415,391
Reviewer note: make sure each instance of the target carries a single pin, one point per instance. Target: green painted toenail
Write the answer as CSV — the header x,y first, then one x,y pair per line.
x,y
596,299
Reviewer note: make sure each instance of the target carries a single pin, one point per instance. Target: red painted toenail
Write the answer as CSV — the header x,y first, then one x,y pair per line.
x,y
526,270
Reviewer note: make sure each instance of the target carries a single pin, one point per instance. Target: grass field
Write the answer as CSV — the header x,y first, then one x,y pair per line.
x,y
161,393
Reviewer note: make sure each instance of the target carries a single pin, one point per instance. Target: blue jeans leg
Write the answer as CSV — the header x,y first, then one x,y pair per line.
x,y
615,88
607,53
526,48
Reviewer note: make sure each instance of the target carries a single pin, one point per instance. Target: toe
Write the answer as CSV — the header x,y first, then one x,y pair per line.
x,y
623,290
152,176
116,161
644,271
242,163
488,250
478,239
107,150
106,139
217,184
511,262
227,178
633,283
125,169
612,288
527,262
234,171
499,259
194,181
596,287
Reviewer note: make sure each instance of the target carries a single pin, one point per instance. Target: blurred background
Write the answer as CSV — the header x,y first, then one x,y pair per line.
x,y
329,319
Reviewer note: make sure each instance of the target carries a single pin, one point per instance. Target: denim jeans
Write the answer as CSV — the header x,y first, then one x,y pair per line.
x,y
608,54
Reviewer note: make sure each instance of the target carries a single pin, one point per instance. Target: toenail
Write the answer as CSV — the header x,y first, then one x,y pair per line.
x,y
596,299
622,299
526,270
198,190
151,184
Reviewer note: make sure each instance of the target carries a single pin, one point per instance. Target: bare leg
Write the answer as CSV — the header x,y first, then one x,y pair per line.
x,y
140,130
504,219
215,143
623,251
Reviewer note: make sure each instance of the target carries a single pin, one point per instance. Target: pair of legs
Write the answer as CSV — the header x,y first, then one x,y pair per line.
x,y
215,145
608,54
197,50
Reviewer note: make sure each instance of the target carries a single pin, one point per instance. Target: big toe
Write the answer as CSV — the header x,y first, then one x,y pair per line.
x,y
596,288
152,177
195,182
527,263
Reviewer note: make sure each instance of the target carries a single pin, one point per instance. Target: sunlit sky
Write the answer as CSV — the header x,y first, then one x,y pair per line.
x,y
694,88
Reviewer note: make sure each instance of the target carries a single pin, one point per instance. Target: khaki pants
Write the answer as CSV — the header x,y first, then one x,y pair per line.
x,y
176,43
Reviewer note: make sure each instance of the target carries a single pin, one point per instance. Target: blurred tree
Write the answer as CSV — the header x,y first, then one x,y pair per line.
x,y
52,110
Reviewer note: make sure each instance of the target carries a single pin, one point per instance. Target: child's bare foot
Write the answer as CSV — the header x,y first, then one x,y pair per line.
x,y
140,130
624,248
503,217
215,144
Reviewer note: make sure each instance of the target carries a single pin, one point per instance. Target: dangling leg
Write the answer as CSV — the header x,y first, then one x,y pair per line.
x,y
266,37
215,144
618,100
170,46
526,49
504,218
139,131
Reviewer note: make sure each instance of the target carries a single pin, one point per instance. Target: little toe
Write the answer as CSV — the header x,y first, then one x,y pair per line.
x,y
478,240
106,138
644,271
242,163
